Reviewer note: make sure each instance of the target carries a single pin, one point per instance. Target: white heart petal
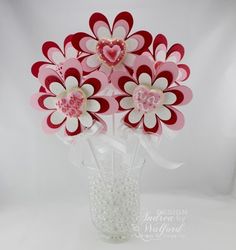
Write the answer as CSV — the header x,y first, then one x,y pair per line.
x,y
56,88
119,33
129,87
71,52
58,57
87,89
150,119
169,98
180,74
71,82
127,103
86,120
145,79
57,117
103,32
129,60
93,105
91,45
72,124
135,116
161,83
93,61
175,57
131,44
50,102
161,55
163,113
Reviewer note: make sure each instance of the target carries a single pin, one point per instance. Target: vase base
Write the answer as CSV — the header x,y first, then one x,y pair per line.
x,y
115,238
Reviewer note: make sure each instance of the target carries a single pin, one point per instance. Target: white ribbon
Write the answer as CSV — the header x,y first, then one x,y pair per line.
x,y
121,142
151,145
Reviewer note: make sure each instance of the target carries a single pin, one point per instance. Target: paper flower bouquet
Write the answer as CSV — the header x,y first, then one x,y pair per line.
x,y
112,72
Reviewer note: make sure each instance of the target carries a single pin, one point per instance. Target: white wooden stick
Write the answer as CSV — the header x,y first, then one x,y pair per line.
x,y
94,156
134,157
113,155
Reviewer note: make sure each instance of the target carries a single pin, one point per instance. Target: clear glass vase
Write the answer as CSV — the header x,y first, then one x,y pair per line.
x,y
114,191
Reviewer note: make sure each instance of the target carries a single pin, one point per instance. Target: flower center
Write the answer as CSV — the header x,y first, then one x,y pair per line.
x,y
146,99
71,103
111,51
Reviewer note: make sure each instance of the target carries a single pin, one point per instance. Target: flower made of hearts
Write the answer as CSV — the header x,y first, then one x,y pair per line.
x,y
160,53
149,97
111,48
56,56
73,102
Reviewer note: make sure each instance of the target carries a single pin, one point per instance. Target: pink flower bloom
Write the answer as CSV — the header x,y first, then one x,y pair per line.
x,y
55,55
111,48
149,96
161,54
72,101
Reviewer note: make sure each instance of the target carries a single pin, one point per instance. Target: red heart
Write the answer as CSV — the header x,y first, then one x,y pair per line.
x,y
111,52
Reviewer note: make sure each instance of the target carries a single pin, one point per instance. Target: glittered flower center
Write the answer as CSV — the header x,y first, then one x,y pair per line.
x,y
111,51
146,99
71,103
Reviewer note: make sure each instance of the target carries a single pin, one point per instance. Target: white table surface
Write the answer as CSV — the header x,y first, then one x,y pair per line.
x,y
66,225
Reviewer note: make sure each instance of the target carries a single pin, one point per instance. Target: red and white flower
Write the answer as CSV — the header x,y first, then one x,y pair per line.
x,y
73,102
161,54
56,56
111,48
150,97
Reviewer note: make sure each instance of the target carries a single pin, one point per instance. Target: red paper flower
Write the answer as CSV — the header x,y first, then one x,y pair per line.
x,y
74,101
160,54
55,55
150,97
111,48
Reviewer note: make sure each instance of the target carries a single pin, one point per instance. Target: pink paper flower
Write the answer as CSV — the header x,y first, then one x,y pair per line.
x,y
149,96
161,53
73,102
111,48
56,56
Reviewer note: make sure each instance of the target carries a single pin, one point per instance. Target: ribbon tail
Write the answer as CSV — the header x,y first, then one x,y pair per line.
x,y
157,158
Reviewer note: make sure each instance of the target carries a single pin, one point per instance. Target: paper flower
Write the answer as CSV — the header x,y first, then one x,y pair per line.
x,y
74,101
150,97
56,56
160,54
111,48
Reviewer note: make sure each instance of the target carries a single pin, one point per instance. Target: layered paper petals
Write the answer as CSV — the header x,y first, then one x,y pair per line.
x,y
74,101
55,55
162,54
151,83
113,47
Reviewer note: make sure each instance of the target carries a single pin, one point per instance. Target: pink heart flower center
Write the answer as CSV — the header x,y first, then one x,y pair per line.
x,y
71,104
111,52
146,99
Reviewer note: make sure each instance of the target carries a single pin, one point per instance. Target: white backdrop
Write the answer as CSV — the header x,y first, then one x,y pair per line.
x,y
35,166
